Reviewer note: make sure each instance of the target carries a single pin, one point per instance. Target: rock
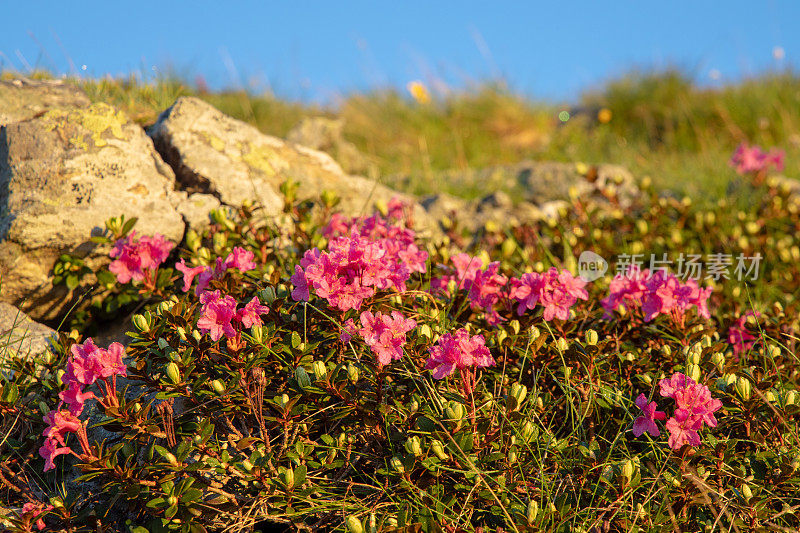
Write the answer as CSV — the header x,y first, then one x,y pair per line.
x,y
325,134
23,99
62,175
21,336
215,154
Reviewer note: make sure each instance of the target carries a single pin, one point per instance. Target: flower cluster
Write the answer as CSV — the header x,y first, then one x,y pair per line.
x,y
460,351
88,364
135,258
485,287
738,335
753,160
656,294
385,334
694,407
32,510
239,258
219,314
556,291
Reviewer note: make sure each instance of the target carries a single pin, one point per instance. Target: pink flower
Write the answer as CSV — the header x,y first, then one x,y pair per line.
x,y
241,259
35,509
109,361
752,159
189,273
488,287
209,274
385,334
683,429
74,397
59,423
300,293
458,351
675,383
83,366
250,314
697,401
349,330
50,450
134,257
646,422
466,268
217,314
556,291
627,290
739,337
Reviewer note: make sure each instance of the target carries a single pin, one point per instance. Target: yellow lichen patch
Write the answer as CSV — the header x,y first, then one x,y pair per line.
x,y
79,124
139,189
263,158
215,142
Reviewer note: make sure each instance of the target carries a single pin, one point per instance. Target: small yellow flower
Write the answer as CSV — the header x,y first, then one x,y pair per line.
x,y
419,91
604,115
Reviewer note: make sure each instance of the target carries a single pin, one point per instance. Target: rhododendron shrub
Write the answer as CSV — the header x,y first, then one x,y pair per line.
x,y
751,159
337,382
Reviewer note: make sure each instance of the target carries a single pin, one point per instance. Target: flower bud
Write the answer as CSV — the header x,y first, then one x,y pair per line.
x,y
562,344
218,386
193,240
173,372
413,406
747,493
512,457
718,359
302,377
141,323
257,332
438,449
535,333
514,325
532,511
769,396
516,396
196,335
693,371
527,431
501,336
283,400
319,369
397,464
743,388
773,351
413,446
791,397
425,331
666,350
591,337
181,332
628,470
352,373
287,476
455,413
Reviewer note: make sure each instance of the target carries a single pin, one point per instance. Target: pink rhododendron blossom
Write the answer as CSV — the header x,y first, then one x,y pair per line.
x,y
683,429
385,334
59,424
189,273
74,397
752,159
657,293
694,407
466,268
627,290
135,257
241,259
485,287
217,313
646,422
50,450
349,330
35,509
556,291
350,271
250,314
208,274
739,337
458,351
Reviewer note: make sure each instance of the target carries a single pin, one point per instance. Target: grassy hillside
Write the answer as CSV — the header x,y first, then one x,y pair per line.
x,y
658,124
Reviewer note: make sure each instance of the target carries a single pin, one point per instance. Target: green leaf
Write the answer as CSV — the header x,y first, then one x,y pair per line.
x,y
72,281
155,503
191,495
129,225
296,340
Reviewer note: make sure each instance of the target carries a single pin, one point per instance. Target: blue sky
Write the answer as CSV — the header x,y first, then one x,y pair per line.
x,y
319,50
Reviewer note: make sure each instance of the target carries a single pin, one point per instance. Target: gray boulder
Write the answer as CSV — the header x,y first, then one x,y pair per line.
x,y
23,99
326,135
62,175
216,154
20,336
